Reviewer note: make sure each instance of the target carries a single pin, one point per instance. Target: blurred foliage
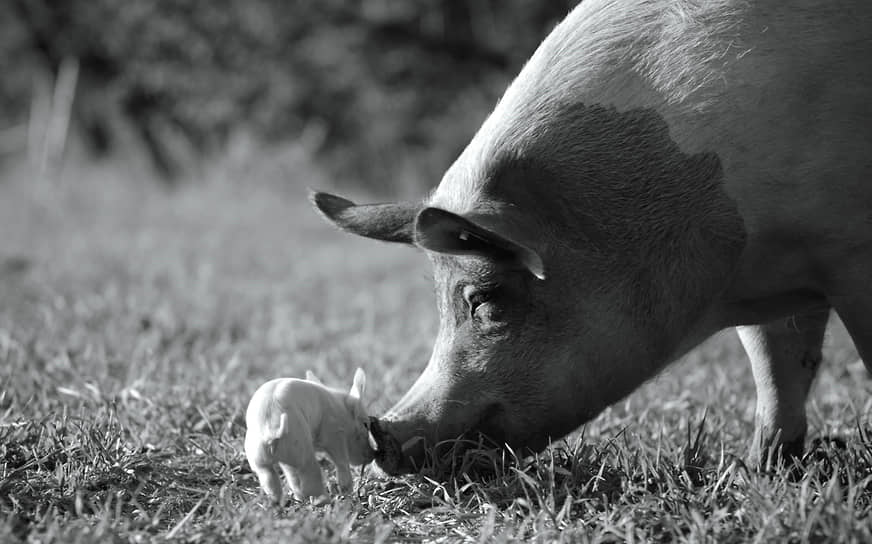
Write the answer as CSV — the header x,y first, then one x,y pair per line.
x,y
372,86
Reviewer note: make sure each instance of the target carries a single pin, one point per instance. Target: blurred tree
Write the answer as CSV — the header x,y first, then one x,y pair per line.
x,y
383,82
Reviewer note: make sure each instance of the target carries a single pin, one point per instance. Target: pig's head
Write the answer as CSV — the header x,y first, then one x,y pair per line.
x,y
561,284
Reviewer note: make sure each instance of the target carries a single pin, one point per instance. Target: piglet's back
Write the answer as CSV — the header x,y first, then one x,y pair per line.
x,y
265,405
289,395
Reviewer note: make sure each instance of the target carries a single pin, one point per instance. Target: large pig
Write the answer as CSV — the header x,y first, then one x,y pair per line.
x,y
659,171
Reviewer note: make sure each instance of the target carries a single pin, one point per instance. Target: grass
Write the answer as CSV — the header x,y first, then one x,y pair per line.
x,y
135,324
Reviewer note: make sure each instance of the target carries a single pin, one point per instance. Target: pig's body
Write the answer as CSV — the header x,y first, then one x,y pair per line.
x,y
289,419
657,172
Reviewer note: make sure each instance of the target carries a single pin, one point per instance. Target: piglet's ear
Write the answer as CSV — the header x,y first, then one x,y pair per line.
x,y
310,376
358,386
446,232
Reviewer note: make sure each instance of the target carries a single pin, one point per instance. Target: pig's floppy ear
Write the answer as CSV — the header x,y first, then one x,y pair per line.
x,y
445,232
358,386
310,376
389,222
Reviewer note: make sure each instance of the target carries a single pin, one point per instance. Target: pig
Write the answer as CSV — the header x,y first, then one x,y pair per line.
x,y
289,419
657,172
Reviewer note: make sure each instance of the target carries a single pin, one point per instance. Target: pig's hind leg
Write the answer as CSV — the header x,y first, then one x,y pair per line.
x,y
262,464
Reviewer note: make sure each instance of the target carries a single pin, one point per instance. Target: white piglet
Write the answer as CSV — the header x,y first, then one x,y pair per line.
x,y
289,419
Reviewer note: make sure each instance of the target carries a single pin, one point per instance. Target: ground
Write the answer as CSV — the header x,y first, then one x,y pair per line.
x,y
135,324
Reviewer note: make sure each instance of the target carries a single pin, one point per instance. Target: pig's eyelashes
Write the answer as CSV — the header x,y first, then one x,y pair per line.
x,y
475,299
478,301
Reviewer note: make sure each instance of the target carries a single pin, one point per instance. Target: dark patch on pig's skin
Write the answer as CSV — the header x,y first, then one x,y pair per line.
x,y
612,191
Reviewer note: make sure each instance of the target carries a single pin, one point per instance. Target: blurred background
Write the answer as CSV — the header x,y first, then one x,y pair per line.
x,y
383,94
154,159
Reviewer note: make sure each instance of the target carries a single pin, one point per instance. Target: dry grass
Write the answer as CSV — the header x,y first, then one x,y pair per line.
x,y
134,325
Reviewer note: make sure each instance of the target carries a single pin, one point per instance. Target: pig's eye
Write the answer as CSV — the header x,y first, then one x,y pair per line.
x,y
475,299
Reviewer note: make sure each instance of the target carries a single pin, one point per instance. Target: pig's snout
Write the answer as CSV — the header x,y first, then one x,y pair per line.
x,y
393,456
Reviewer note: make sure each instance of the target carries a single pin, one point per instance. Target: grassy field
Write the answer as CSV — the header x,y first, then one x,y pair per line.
x,y
135,324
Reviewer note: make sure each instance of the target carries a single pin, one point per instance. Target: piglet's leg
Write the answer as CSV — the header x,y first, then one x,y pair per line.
x,y
293,480
269,482
295,453
343,475
339,455
306,480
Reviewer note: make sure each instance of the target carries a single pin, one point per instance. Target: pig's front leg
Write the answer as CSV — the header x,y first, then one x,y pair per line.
x,y
295,454
343,471
343,474
785,356
305,480
269,482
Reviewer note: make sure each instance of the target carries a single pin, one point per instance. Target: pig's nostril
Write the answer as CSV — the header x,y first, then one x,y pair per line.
x,y
383,440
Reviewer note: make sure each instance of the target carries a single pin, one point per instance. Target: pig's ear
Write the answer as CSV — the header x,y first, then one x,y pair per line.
x,y
389,222
358,386
445,232
310,376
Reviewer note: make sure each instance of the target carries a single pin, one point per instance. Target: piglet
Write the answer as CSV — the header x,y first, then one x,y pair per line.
x,y
289,419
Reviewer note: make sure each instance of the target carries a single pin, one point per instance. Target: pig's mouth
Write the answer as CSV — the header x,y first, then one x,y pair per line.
x,y
418,454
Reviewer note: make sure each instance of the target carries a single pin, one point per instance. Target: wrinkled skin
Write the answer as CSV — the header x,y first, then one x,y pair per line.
x,y
626,199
